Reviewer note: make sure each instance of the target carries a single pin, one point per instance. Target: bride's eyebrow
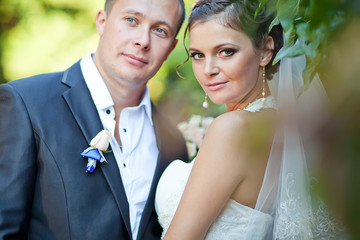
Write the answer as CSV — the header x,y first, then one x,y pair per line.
x,y
228,44
222,45
194,50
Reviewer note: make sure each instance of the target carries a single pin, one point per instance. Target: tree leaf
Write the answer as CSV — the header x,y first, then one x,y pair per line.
x,y
261,5
290,36
311,50
310,70
287,11
274,22
293,51
303,32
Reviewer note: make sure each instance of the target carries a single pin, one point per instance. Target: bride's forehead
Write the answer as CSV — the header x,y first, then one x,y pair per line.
x,y
214,26
215,33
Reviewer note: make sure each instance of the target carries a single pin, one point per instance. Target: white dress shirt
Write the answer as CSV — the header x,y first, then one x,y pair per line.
x,y
138,157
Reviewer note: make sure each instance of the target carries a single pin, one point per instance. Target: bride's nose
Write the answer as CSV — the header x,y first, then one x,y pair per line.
x,y
211,68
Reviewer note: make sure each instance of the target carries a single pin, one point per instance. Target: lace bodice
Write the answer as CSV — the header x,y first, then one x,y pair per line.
x,y
261,103
236,221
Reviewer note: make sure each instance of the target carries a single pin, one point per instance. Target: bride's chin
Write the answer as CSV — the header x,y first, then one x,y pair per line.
x,y
218,101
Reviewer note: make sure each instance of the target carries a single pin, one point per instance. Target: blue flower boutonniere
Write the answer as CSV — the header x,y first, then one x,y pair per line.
x,y
94,153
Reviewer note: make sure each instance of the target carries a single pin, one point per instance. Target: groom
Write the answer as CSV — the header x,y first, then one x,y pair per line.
x,y
46,121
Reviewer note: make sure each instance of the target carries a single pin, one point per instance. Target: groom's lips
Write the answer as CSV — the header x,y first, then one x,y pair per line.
x,y
136,60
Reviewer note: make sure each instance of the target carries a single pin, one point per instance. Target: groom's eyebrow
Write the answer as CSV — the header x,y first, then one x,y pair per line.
x,y
134,12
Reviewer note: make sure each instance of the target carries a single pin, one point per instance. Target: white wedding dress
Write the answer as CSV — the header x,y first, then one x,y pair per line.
x,y
236,221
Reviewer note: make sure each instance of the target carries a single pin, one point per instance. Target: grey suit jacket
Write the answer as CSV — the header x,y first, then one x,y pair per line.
x,y
46,121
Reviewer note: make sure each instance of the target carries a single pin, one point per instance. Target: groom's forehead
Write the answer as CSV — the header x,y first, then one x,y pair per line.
x,y
180,16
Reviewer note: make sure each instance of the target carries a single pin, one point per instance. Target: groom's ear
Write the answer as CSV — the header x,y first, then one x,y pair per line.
x,y
100,21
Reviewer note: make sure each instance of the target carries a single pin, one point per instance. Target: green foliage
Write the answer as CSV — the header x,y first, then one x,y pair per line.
x,y
328,33
314,23
43,36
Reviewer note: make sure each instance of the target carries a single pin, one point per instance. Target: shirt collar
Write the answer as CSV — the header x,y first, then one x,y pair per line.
x,y
98,89
146,102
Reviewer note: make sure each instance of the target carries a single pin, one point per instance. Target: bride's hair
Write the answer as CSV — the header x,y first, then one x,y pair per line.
x,y
240,16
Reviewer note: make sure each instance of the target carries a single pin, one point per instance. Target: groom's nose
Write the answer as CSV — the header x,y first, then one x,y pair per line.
x,y
142,38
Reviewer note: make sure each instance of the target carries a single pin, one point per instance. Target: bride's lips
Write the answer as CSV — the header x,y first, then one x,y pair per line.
x,y
133,59
215,86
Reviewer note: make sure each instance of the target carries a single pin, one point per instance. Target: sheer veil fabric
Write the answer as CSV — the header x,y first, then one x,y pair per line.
x,y
285,193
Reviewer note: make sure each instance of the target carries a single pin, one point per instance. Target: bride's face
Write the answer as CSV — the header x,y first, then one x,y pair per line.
x,y
225,63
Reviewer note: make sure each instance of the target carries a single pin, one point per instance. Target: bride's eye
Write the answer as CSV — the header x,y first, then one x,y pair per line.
x,y
196,56
227,52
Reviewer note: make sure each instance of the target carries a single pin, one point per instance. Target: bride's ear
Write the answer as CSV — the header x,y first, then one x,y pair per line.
x,y
267,51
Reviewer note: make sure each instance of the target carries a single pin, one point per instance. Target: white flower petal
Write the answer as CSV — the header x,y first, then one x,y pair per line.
x,y
101,140
191,147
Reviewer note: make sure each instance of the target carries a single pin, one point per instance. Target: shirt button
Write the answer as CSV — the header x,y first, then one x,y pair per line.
x,y
108,111
124,129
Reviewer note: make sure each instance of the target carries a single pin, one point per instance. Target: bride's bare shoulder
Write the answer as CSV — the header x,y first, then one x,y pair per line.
x,y
238,121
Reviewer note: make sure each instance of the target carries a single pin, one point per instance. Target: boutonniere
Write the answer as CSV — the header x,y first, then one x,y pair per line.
x,y
98,145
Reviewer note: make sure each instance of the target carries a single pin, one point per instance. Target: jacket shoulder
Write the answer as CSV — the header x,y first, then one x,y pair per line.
x,y
44,79
42,84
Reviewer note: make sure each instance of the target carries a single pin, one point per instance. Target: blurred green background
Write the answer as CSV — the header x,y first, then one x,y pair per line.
x,y
39,36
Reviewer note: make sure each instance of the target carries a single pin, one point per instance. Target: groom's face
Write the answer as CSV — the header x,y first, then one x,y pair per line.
x,y
136,36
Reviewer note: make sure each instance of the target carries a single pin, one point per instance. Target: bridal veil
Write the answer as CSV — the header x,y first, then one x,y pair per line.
x,y
286,190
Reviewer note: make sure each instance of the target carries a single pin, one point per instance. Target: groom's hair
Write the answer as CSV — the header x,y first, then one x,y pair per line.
x,y
110,3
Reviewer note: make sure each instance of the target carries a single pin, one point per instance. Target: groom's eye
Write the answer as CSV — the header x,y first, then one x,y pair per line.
x,y
161,32
130,20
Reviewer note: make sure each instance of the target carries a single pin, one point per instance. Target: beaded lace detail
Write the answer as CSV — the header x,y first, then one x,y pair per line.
x,y
261,103
324,226
294,223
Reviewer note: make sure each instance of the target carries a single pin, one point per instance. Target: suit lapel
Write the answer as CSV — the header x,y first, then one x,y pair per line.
x,y
80,102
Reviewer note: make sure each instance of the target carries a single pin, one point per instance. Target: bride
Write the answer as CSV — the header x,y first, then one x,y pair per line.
x,y
248,180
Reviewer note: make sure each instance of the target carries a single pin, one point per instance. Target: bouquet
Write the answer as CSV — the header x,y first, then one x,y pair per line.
x,y
194,131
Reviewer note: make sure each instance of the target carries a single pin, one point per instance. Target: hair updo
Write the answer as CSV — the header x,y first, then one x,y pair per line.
x,y
239,15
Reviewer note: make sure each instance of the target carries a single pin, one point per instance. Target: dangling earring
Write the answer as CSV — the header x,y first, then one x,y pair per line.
x,y
205,103
263,82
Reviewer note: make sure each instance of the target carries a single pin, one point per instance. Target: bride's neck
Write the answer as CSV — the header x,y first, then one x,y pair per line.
x,y
251,97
